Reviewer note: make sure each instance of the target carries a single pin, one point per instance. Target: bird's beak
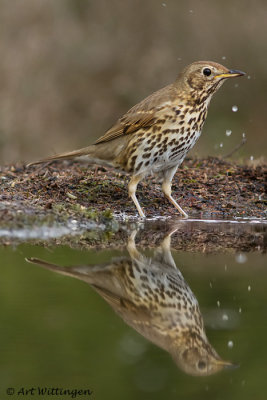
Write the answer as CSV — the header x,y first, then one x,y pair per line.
x,y
232,73
226,364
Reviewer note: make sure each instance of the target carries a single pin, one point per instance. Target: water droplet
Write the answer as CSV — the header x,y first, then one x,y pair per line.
x,y
228,132
210,285
249,77
249,288
191,11
223,58
230,344
236,84
225,267
225,317
243,135
221,144
251,158
241,258
164,5
218,303
240,310
234,108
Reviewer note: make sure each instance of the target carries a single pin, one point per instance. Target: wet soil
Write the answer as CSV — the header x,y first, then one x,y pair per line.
x,y
60,192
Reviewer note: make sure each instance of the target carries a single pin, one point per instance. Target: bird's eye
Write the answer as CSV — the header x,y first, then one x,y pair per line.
x,y
202,365
206,71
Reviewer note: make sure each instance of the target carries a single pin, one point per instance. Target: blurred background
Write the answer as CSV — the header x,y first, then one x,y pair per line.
x,y
70,68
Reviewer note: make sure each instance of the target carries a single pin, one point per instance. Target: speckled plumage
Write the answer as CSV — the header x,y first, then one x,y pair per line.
x,y
154,136
151,295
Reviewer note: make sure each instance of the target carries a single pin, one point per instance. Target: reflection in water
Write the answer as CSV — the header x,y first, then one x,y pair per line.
x,y
151,295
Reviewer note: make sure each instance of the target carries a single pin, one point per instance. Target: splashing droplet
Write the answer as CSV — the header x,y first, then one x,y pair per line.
x,y
218,303
225,317
223,58
228,132
249,288
241,258
251,158
221,144
230,344
234,108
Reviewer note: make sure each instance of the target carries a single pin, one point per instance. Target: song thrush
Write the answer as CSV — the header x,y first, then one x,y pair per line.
x,y
151,295
155,135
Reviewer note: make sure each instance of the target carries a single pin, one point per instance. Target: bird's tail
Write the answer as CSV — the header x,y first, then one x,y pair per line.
x,y
96,275
86,151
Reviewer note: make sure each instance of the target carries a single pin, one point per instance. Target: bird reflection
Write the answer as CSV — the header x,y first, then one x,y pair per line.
x,y
151,295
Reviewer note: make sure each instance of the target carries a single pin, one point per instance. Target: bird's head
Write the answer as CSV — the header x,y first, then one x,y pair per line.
x,y
199,359
205,77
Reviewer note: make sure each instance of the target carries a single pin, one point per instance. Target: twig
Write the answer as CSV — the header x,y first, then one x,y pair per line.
x,y
237,147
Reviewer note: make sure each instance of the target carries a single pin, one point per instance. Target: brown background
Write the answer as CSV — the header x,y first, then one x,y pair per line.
x,y
70,68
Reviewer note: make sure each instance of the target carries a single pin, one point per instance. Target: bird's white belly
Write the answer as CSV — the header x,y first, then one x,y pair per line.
x,y
168,149
173,156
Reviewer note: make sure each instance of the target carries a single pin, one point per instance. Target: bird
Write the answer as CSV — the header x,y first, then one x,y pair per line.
x,y
155,135
151,295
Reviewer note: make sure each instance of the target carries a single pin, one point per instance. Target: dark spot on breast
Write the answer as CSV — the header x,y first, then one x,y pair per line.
x,y
139,166
166,131
145,128
133,159
191,121
146,155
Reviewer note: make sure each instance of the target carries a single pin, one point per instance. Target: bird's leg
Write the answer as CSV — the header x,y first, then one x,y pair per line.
x,y
132,189
166,188
131,247
166,242
163,252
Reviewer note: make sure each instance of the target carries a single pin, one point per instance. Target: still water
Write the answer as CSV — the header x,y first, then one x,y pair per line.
x,y
135,322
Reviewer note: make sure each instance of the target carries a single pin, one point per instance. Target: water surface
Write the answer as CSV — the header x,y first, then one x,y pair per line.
x,y
62,331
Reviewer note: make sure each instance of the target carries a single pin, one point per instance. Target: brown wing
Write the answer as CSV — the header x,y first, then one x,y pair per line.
x,y
123,306
142,115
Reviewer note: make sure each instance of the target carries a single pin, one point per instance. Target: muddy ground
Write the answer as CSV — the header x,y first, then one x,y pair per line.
x,y
68,191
